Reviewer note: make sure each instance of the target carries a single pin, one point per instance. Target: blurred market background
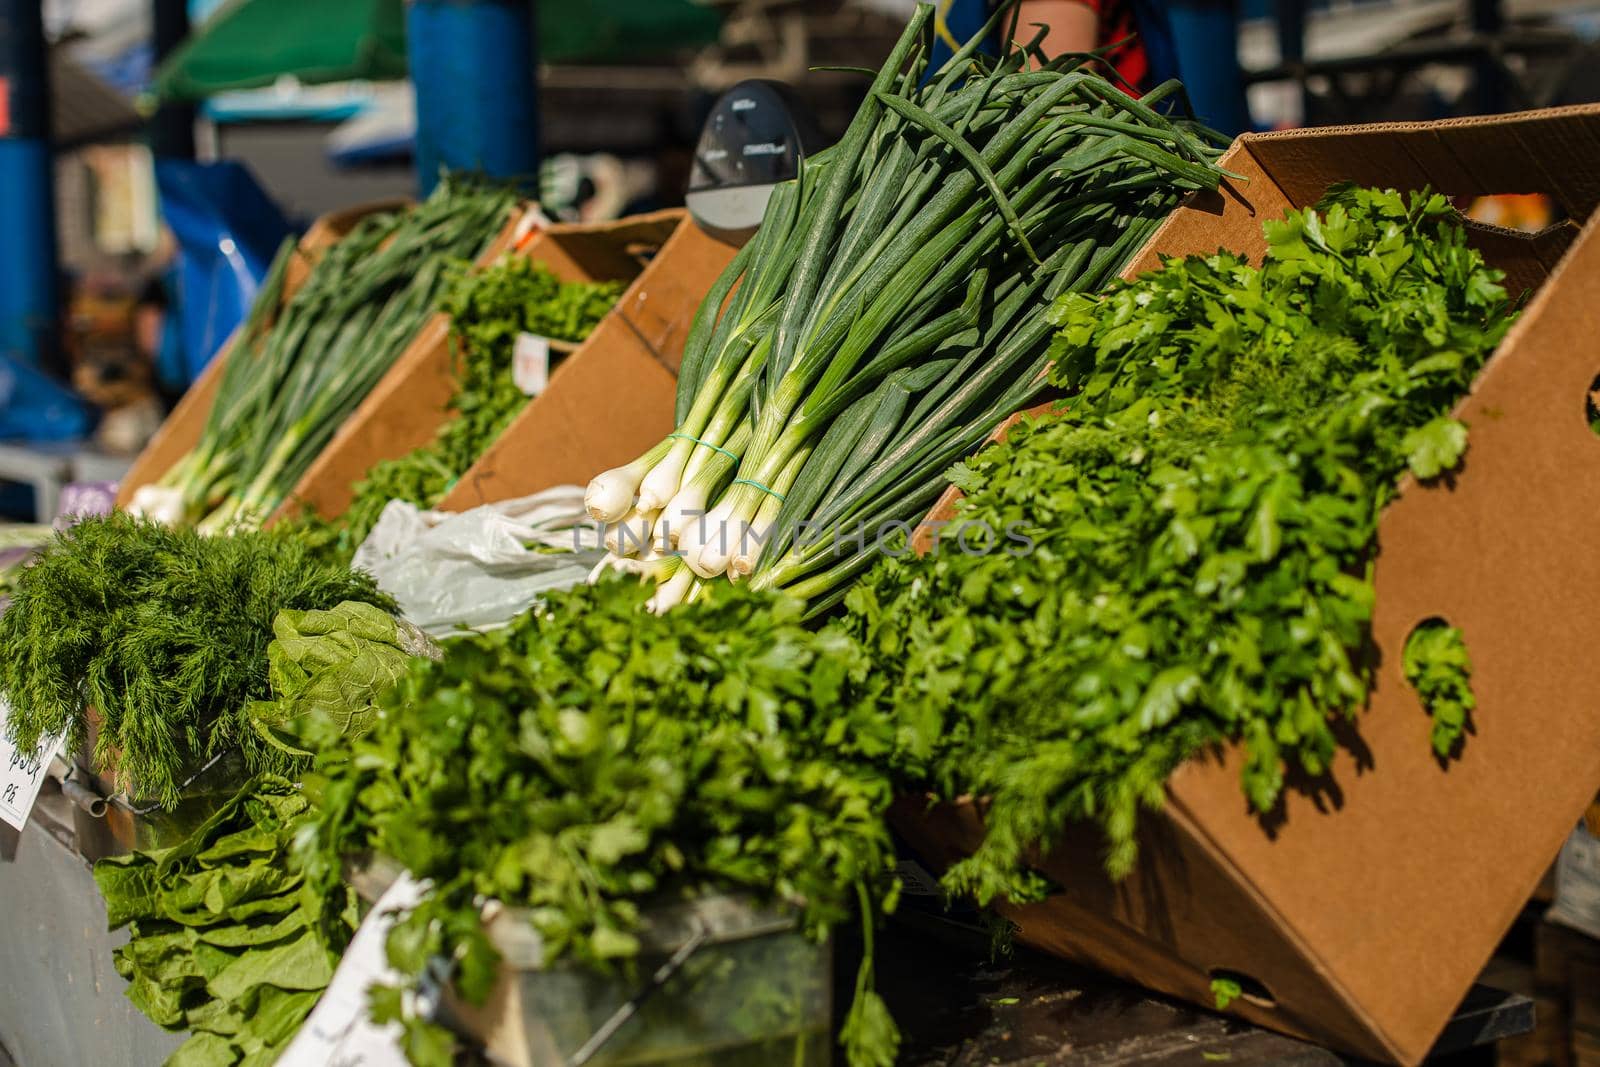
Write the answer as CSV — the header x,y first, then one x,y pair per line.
x,y
154,152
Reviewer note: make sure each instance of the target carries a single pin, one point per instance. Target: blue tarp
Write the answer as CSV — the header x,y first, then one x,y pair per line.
x,y
36,408
228,231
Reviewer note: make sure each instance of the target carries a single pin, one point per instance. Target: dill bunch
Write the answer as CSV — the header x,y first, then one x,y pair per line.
x,y
163,633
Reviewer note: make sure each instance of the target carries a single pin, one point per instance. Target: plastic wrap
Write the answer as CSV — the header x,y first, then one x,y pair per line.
x,y
481,568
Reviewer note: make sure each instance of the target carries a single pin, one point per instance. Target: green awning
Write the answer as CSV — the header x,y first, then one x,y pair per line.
x,y
248,44
601,31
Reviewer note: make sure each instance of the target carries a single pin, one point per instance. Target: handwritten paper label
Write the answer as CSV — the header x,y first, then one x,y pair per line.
x,y
339,1032
530,363
21,775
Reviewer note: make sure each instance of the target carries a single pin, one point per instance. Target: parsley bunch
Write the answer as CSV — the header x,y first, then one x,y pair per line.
x,y
164,634
1203,520
488,309
593,760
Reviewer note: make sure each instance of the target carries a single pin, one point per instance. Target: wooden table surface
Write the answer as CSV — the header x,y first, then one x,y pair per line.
x,y
958,1008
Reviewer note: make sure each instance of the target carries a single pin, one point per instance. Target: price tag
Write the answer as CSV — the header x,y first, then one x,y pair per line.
x,y
533,221
530,363
339,1033
21,775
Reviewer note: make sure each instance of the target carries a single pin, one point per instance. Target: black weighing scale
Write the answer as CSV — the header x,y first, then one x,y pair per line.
x,y
754,138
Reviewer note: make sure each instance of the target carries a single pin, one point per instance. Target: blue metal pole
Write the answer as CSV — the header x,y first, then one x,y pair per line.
x,y
171,128
28,282
1207,36
473,64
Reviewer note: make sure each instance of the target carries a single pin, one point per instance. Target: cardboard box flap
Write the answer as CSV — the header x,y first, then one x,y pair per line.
x,y
1229,218
661,310
1527,259
606,250
1461,158
1555,152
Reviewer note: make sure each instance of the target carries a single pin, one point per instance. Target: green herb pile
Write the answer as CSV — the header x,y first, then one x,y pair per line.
x,y
487,310
1203,520
226,941
593,760
164,634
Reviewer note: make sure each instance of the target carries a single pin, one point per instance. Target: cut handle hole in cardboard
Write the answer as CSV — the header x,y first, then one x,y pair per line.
x,y
1249,987
1591,406
1438,667
1528,213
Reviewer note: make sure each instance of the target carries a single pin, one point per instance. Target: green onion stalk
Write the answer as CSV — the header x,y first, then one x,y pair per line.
x,y
890,311
301,367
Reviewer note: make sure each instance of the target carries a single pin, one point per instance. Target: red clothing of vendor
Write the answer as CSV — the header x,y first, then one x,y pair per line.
x,y
1084,25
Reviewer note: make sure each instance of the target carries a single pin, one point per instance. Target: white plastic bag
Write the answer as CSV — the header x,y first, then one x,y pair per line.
x,y
476,569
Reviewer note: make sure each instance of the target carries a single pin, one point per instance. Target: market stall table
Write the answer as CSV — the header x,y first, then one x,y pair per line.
x,y
47,467
65,1004
959,1008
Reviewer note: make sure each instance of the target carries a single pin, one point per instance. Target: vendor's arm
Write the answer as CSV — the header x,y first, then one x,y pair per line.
x,y
1074,24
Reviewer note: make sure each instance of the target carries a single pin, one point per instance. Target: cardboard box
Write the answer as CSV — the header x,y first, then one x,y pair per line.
x,y
612,398
182,428
1361,916
404,409
408,406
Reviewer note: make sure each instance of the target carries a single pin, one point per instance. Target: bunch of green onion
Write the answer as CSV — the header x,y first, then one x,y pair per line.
x,y
296,373
889,313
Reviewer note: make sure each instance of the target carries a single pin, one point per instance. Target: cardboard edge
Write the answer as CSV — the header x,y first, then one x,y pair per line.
x,y
318,491
665,286
1185,820
1436,126
1542,151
